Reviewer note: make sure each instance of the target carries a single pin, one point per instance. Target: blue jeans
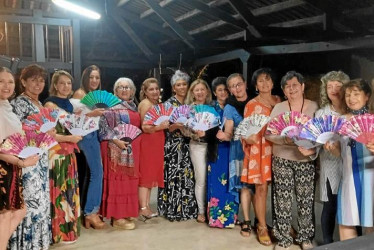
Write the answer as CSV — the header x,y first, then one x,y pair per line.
x,y
90,146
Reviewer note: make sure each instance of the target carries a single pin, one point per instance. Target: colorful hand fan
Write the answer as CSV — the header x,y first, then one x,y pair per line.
x,y
181,114
127,132
203,121
158,114
322,129
286,121
294,134
43,121
205,108
79,124
359,128
250,125
100,99
27,143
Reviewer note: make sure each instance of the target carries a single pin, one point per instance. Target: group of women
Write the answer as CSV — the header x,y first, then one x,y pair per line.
x,y
202,175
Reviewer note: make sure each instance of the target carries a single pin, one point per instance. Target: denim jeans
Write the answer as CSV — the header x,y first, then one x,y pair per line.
x,y
91,149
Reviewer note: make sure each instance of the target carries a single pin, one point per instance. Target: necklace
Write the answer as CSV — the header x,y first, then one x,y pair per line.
x,y
264,101
33,100
302,106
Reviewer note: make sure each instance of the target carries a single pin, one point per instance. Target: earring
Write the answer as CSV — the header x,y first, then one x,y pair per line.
x,y
256,90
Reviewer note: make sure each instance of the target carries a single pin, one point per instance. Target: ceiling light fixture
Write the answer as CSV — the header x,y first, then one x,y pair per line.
x,y
77,9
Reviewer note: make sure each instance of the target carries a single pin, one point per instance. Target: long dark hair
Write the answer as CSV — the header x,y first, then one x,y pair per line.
x,y
85,80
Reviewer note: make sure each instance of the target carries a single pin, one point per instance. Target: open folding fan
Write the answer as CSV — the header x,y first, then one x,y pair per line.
x,y
360,128
43,121
203,118
322,129
100,99
79,124
201,108
251,125
283,123
158,114
27,143
127,132
181,114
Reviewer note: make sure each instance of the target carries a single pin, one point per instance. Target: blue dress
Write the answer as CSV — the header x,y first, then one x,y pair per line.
x,y
222,207
236,155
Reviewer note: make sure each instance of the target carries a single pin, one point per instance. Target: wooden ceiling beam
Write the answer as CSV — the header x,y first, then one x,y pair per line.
x,y
146,13
277,7
302,22
122,2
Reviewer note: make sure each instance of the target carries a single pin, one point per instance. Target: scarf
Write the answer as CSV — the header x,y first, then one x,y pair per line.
x,y
238,105
10,124
63,103
360,111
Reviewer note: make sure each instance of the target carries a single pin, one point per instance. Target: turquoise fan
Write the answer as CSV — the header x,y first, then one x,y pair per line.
x,y
43,121
205,108
181,114
127,132
203,120
158,114
100,99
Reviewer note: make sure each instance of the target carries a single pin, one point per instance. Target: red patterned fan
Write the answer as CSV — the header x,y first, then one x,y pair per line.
x,y
43,121
127,132
27,143
158,114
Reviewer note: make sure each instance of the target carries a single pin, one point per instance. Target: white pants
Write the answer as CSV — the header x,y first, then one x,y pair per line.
x,y
198,151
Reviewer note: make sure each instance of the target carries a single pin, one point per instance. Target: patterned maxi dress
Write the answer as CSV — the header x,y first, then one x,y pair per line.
x,y
64,187
222,207
34,232
176,201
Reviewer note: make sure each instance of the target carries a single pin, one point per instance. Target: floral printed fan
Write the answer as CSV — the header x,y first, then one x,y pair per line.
x,y
100,99
127,132
283,123
43,121
203,120
181,114
158,114
322,129
79,124
27,143
201,108
359,128
250,125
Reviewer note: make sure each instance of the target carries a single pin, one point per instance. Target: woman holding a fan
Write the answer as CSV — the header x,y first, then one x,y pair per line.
x,y
233,114
176,201
293,169
64,188
257,150
151,148
120,151
34,231
90,146
12,207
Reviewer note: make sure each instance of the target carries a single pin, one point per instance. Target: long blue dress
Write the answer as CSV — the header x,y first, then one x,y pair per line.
x,y
222,207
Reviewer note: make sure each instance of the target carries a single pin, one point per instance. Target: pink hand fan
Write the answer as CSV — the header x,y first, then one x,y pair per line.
x,y
181,114
127,132
158,114
43,121
27,143
79,124
283,123
360,128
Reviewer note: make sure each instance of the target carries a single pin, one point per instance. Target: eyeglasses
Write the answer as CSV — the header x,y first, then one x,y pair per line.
x,y
238,85
292,86
123,88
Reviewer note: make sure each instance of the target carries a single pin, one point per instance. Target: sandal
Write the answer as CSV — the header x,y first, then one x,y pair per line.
x,y
263,235
246,228
200,218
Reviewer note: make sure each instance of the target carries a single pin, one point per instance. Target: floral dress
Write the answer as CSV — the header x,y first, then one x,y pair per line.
x,y
34,232
257,157
222,207
176,201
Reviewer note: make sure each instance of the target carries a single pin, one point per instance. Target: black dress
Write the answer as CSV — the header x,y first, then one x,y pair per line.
x,y
10,187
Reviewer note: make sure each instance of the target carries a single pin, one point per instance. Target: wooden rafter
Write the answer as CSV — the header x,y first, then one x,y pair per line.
x,y
122,2
302,21
150,11
277,7
166,17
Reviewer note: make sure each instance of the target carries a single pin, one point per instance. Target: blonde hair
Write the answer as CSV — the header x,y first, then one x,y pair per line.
x,y
190,97
339,76
145,85
56,76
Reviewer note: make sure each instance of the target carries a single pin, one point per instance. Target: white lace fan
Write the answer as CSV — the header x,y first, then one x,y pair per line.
x,y
250,125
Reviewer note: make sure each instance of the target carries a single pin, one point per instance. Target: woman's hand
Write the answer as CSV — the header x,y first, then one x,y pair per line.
x,y
52,132
221,135
163,125
288,141
200,133
96,112
252,139
29,161
175,126
121,144
333,148
74,138
307,152
370,147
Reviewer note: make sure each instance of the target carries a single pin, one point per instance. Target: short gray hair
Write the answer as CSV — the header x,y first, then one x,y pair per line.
x,y
129,81
179,75
291,74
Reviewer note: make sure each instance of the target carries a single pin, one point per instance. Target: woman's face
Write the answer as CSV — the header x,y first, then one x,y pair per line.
x,y
63,86
180,88
153,92
333,91
7,85
94,81
221,93
237,87
293,89
200,93
355,98
264,83
34,85
124,91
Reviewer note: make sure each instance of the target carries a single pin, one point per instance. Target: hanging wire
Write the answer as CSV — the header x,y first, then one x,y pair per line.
x,y
180,61
159,64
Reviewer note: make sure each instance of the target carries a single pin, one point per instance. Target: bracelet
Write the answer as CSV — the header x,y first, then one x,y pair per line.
x,y
23,163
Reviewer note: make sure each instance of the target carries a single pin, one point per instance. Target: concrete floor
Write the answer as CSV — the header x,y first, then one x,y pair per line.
x,y
159,233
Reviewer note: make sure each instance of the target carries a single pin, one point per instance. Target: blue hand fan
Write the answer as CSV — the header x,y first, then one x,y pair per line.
x,y
322,129
205,108
100,99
